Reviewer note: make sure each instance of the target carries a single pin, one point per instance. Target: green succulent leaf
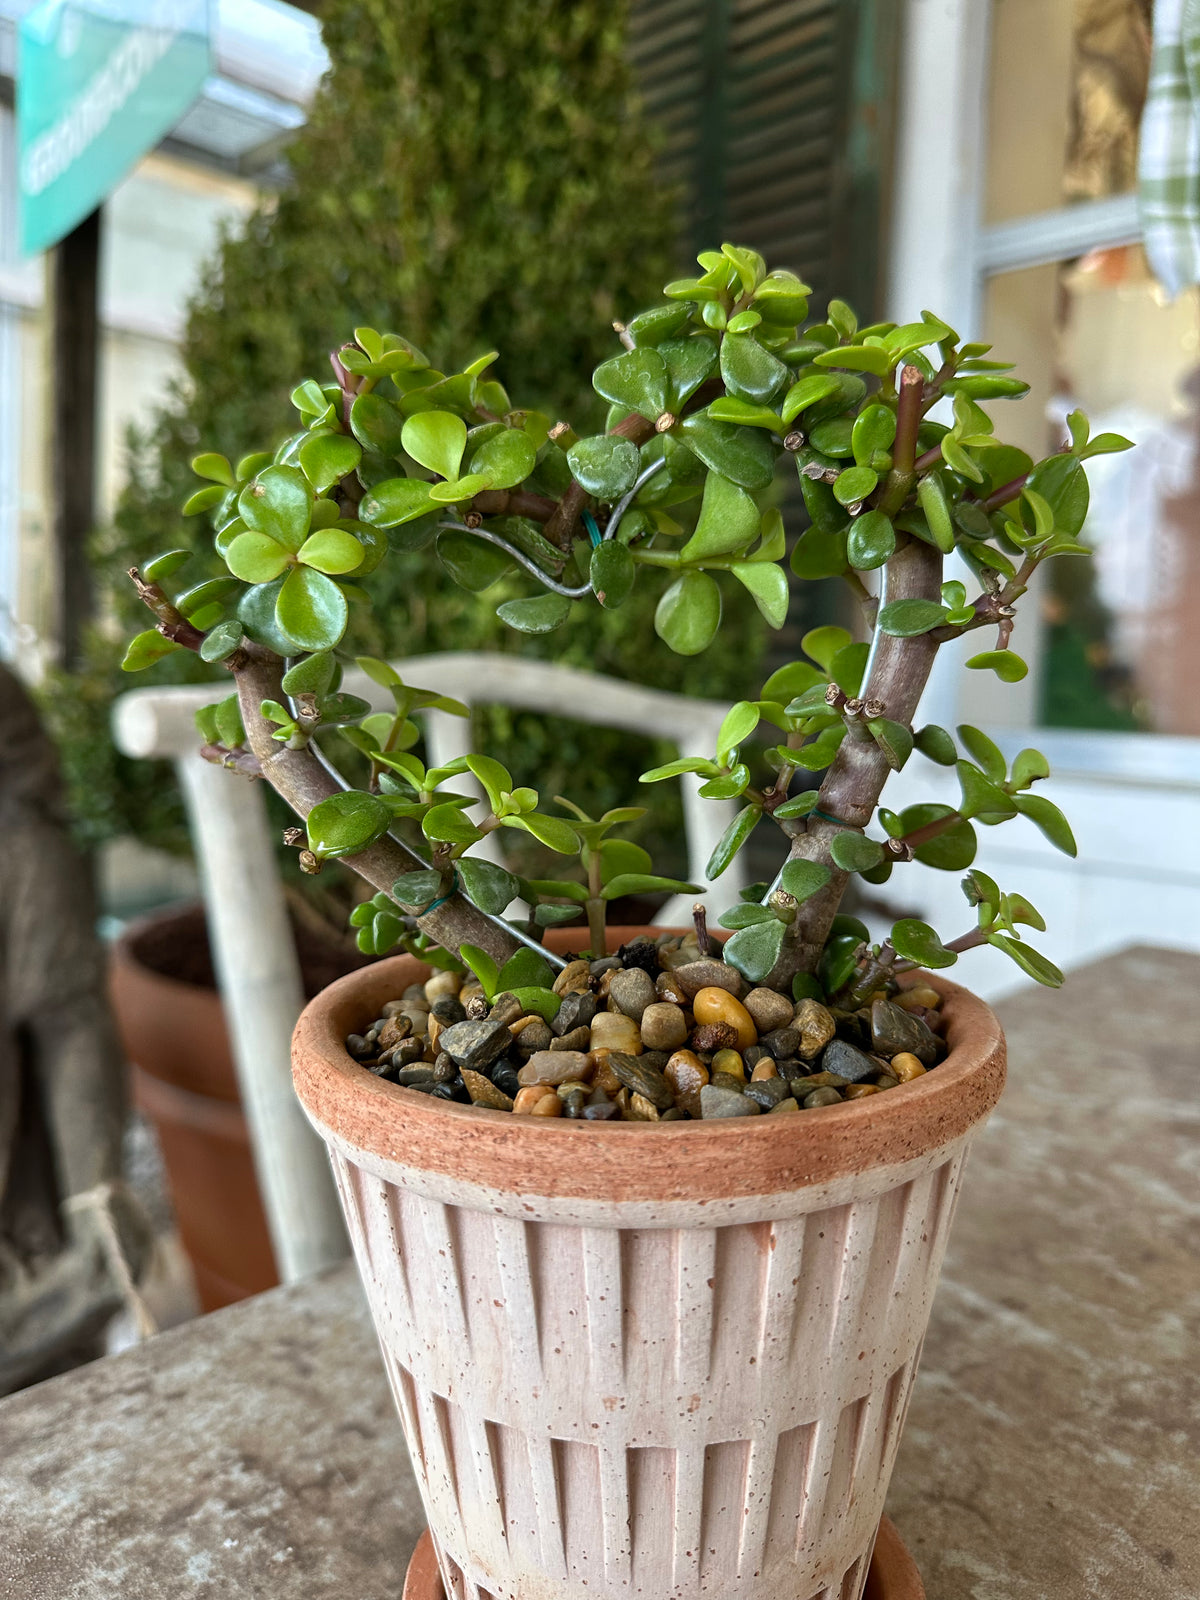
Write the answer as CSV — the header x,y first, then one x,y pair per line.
x,y
165,565
854,852
278,503
1006,664
506,459
311,609
541,613
645,883
473,565
813,387
145,649
490,886
743,455
612,573
802,879
524,970
746,916
1046,816
936,744
449,824
222,641
914,940
739,723
416,890
904,619
637,380
935,503
894,739
729,521
819,553
1027,767
484,968
981,797
437,440
674,769
749,371
870,542
689,613
732,840
347,823
550,831
950,851
753,951
605,465
327,458
215,467
800,806
769,587
854,485
330,550
394,501
1030,961
984,752
823,644
377,424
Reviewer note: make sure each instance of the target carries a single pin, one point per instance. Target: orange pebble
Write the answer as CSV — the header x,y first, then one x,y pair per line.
x,y
548,1106
764,1069
906,1067
528,1098
856,1091
718,1005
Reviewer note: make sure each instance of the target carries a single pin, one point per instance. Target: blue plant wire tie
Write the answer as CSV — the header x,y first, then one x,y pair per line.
x,y
589,523
447,896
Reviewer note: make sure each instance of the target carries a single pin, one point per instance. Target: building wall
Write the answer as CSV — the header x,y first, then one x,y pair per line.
x,y
159,226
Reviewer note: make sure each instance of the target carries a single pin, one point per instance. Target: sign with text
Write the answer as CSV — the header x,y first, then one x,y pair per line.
x,y
99,82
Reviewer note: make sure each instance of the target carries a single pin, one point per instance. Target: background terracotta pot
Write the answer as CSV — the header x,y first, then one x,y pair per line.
x,y
668,1361
172,1027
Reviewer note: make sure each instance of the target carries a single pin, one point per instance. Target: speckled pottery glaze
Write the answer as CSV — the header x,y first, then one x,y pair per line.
x,y
667,1361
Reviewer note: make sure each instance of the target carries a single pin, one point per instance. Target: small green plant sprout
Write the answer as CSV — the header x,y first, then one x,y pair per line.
x,y
714,391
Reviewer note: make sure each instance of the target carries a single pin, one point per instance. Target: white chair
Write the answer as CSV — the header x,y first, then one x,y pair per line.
x,y
253,951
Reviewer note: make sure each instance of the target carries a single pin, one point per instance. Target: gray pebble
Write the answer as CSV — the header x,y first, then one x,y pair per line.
x,y
768,1091
631,991
577,1039
576,1011
717,1101
638,1078
847,1062
707,974
476,1042
782,1044
822,1097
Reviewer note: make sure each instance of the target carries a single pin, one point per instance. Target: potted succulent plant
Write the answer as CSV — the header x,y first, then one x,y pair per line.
x,y
649,1225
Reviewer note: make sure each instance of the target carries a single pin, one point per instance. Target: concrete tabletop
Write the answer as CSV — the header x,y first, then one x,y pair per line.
x,y
1051,1450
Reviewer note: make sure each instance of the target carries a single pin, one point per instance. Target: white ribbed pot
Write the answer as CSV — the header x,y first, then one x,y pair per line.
x,y
634,1359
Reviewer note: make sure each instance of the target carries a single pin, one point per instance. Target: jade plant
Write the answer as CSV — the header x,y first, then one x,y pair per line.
x,y
711,394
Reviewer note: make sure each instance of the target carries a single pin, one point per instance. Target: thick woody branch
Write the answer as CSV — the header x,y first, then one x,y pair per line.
x,y
855,781
172,623
303,781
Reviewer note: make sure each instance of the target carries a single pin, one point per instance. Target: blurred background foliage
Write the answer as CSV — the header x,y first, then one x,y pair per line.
x,y
476,178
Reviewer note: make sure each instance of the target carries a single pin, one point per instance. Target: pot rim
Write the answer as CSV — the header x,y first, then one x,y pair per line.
x,y
690,1161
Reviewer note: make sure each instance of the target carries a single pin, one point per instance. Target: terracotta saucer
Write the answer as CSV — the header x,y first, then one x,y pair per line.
x,y
893,1574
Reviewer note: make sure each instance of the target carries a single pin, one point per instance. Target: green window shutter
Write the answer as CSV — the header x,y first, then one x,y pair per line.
x,y
775,120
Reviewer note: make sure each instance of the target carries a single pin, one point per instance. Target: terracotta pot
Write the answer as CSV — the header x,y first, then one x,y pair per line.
x,y
184,1081
669,1361
892,1574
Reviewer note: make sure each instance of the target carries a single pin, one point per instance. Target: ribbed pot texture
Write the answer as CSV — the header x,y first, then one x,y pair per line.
x,y
670,1361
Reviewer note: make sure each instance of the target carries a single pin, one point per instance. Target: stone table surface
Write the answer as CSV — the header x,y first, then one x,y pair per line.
x,y
1052,1449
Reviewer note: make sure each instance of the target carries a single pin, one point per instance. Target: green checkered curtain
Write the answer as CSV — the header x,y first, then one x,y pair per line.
x,y
1169,155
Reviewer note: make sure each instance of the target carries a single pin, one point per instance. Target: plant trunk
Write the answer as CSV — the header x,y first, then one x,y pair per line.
x,y
303,781
855,781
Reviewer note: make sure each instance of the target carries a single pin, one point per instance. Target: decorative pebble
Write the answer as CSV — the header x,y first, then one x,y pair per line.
x,y
477,1042
409,1077
906,1067
847,1062
714,1036
687,1075
577,1010
713,1004
885,1080
642,1080
533,1036
817,1027
822,1097
548,1106
442,983
768,1009
578,1039
506,1078
506,1008
485,1093
919,997
728,1080
603,1075
783,1044
553,1067
716,1101
707,974
605,964
449,1009
856,1091
574,1104
602,1111
663,1026
632,991
612,1030
730,1063
764,1070
641,1109
575,977
789,1104
531,1096
668,987
894,1031
768,1092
